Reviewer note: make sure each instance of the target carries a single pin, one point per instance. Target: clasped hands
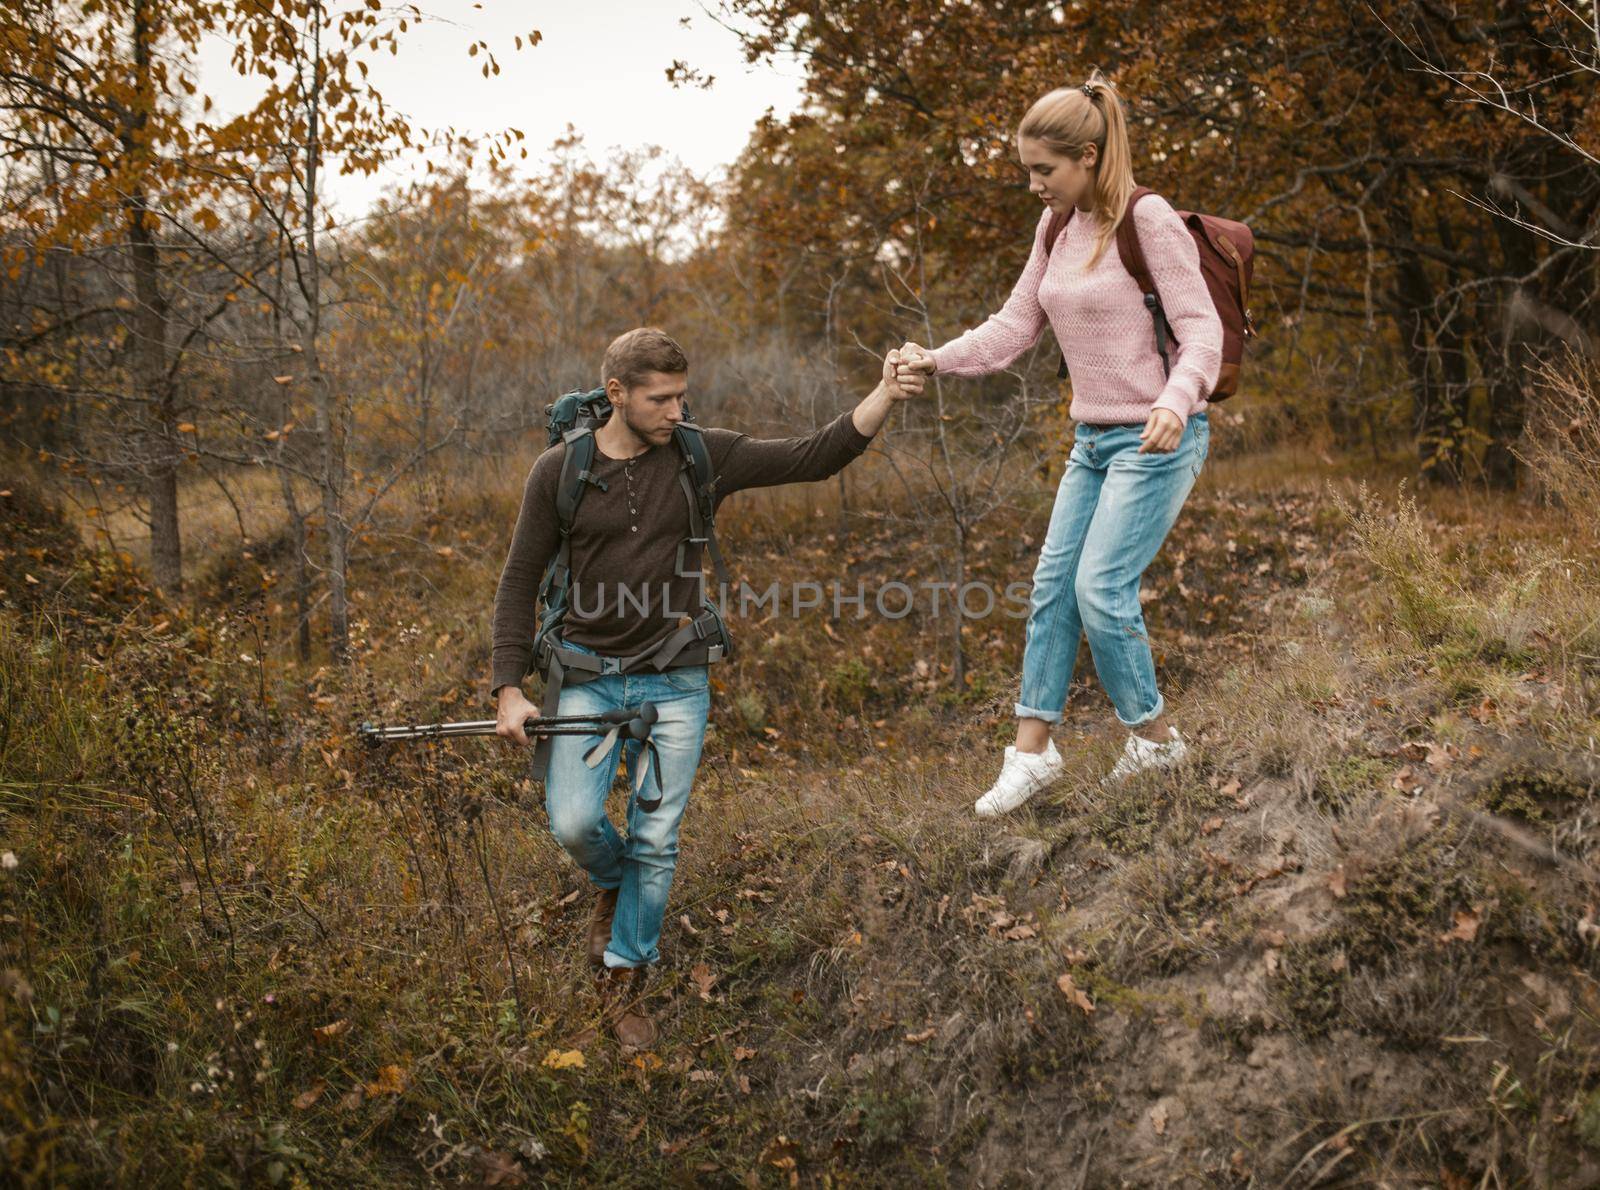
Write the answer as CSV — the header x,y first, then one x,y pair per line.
x,y
914,363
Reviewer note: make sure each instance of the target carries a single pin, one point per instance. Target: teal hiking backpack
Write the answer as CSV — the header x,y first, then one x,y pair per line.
x,y
573,419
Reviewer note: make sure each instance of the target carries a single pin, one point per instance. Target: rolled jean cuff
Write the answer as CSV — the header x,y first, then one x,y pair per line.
x,y
1024,712
617,963
1161,706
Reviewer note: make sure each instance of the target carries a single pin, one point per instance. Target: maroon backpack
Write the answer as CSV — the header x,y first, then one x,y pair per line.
x,y
1227,262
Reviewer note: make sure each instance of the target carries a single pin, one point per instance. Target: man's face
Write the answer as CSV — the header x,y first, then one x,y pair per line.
x,y
654,406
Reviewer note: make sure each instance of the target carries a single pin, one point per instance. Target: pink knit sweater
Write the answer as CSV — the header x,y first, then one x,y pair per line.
x,y
1100,320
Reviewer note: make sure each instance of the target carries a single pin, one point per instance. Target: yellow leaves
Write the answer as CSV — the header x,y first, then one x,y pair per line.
x,y
186,427
564,1060
391,1080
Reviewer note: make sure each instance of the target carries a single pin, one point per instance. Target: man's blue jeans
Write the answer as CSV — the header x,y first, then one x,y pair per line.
x,y
640,867
1113,510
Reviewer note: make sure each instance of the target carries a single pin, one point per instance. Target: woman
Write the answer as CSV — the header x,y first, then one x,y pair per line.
x,y
1142,433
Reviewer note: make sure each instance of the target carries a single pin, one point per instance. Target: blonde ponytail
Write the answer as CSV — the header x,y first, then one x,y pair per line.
x,y
1070,119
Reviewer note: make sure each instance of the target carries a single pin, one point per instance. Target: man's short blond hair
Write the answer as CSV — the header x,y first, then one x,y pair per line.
x,y
644,349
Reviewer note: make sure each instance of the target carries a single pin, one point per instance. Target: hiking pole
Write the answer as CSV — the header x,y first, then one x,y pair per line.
x,y
634,723
645,714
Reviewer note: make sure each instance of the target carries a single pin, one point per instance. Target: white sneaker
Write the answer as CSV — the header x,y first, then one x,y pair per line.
x,y
1140,755
1021,776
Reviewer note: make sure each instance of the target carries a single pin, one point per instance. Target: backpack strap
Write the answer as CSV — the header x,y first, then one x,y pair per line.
x,y
699,485
1052,233
1131,253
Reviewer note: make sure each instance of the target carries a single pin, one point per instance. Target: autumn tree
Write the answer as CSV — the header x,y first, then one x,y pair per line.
x,y
1331,127
104,259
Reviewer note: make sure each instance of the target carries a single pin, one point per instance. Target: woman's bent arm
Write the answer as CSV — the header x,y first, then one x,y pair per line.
x,y
1174,262
998,343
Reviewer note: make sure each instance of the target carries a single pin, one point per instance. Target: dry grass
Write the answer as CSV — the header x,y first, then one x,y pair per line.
x,y
1348,940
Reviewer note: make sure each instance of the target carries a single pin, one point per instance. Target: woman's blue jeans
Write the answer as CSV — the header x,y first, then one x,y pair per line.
x,y
1113,510
640,867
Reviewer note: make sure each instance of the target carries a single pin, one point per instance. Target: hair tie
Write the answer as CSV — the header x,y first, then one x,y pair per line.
x,y
1088,90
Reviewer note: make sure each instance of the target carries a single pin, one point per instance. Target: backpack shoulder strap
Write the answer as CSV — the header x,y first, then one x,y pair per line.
x,y
575,474
700,489
1052,232
1128,247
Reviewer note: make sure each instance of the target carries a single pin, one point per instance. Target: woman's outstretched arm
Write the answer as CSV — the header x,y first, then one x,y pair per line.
x,y
999,341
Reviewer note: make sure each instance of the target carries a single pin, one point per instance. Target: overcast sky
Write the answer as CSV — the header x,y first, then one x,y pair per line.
x,y
600,67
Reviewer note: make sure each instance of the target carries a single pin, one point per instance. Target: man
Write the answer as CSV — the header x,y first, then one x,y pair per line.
x,y
630,589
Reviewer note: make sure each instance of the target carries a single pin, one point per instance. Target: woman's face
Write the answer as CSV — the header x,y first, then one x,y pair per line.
x,y
1060,182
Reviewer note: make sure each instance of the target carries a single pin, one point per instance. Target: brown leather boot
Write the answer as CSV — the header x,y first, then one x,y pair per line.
x,y
605,908
621,991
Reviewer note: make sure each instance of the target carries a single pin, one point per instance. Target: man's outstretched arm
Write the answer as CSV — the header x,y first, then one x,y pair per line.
x,y
745,462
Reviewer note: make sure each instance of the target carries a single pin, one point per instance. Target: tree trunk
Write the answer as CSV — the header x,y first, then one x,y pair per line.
x,y
159,451
329,410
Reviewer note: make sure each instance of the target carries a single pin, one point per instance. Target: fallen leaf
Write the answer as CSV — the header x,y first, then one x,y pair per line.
x,y
702,1076
1466,927
1158,1119
310,1095
1074,993
918,1038
1210,826
704,980
564,1060
743,1053
1231,789
1337,883
391,1080
326,1034
1405,779
1021,933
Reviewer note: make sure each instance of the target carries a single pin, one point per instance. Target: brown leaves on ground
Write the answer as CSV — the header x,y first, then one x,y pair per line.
x,y
1466,925
704,980
1075,994
310,1095
329,1033
988,912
